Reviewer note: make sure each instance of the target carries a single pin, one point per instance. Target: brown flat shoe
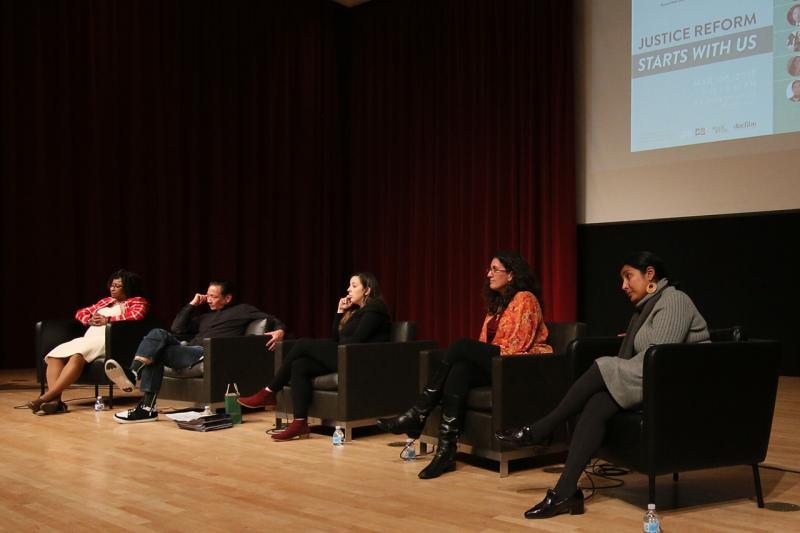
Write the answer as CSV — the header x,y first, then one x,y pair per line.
x,y
52,408
34,405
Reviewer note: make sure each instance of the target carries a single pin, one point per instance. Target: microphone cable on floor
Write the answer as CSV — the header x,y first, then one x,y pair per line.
x,y
607,471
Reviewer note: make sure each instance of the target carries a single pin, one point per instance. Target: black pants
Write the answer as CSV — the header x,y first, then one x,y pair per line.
x,y
307,359
470,364
588,396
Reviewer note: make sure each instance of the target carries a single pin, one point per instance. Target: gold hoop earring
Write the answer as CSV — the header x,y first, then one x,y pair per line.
x,y
651,287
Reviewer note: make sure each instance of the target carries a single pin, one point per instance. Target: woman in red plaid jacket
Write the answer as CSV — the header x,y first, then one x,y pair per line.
x,y
65,362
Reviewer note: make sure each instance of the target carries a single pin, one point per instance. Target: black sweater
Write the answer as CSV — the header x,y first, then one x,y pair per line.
x,y
370,323
230,321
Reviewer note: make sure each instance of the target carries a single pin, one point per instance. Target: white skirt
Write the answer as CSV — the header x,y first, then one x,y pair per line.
x,y
93,343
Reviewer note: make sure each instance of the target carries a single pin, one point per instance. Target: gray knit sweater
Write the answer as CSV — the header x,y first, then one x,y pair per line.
x,y
674,319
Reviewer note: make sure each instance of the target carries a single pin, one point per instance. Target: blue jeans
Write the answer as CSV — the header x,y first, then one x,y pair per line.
x,y
163,348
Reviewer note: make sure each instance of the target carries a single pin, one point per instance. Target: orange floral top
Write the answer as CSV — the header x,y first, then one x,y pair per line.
x,y
521,329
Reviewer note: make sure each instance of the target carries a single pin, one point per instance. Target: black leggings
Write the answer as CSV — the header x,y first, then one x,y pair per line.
x,y
590,397
307,359
470,366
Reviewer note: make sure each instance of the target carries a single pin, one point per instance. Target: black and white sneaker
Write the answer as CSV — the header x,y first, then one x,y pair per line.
x,y
123,378
138,414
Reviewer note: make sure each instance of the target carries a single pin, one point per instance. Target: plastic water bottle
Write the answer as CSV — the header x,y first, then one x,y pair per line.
x,y
98,404
651,522
408,453
338,437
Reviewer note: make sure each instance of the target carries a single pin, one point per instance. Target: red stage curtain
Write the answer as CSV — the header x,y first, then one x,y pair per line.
x,y
280,144
462,144
183,140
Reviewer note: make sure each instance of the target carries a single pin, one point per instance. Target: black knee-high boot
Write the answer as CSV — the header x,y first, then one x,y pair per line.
x,y
449,429
412,421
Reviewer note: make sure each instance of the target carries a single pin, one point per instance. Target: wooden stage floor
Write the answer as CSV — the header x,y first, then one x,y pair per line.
x,y
81,471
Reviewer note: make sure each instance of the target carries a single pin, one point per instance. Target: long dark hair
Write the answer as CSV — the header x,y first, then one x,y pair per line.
x,y
368,281
524,280
131,282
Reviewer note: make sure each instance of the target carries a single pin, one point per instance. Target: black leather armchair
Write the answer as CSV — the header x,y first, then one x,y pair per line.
x,y
705,405
226,360
524,388
374,380
122,339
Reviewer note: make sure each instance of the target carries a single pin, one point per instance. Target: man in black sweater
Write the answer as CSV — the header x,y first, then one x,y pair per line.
x,y
161,348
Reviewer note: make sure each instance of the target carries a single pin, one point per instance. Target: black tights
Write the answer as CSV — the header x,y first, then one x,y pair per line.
x,y
590,397
470,364
307,359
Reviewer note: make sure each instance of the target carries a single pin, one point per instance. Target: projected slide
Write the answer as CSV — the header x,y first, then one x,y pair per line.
x,y
713,70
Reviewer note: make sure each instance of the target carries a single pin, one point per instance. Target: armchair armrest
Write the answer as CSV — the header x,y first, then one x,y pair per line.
x,y
51,333
427,360
721,394
123,338
241,360
378,377
281,351
526,387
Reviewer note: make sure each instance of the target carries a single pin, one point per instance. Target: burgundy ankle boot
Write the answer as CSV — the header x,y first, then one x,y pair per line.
x,y
298,429
263,398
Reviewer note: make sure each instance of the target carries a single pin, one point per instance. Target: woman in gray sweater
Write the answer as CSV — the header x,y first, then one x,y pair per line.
x,y
662,315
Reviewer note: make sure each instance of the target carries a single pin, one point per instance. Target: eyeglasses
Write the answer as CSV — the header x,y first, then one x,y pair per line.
x,y
115,286
494,270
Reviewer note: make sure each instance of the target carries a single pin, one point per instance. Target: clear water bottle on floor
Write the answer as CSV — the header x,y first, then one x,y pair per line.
x,y
98,404
651,522
409,453
338,437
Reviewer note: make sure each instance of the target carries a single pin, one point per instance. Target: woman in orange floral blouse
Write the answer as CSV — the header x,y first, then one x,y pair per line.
x,y
513,325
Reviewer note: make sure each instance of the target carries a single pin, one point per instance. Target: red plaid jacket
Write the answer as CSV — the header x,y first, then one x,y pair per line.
x,y
135,309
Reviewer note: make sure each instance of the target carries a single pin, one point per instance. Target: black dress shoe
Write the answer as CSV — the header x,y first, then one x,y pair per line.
x,y
410,423
553,505
520,436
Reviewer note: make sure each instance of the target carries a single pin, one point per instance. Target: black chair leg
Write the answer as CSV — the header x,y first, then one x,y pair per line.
x,y
674,476
96,390
757,479
110,395
652,488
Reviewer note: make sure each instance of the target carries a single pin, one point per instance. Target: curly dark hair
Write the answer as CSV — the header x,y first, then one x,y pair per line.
x,y
524,280
131,282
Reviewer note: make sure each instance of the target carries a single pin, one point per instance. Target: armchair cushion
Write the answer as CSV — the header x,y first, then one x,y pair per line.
x,y
326,382
195,371
256,327
480,399
405,331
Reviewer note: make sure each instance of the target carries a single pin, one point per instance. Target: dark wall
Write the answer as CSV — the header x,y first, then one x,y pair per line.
x,y
738,269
